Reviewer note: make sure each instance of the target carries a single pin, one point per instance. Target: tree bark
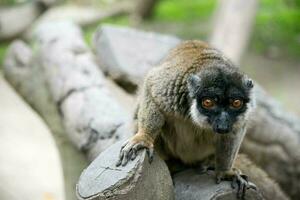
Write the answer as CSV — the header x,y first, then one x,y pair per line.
x,y
30,161
28,79
233,25
15,20
143,10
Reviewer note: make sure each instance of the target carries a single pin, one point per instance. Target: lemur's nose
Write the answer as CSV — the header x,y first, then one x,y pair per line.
x,y
222,123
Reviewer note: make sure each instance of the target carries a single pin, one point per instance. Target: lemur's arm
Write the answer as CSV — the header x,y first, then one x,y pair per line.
x,y
149,121
227,147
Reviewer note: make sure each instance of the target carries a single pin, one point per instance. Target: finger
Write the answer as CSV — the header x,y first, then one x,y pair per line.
x,y
218,179
150,153
123,146
134,153
234,183
138,146
130,152
238,181
120,159
240,190
244,191
245,177
125,157
251,186
241,185
125,143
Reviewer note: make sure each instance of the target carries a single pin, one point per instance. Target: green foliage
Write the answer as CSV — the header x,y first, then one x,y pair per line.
x,y
278,25
3,49
11,2
187,10
277,22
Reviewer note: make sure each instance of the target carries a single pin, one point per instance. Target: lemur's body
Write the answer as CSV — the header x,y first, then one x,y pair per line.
x,y
170,118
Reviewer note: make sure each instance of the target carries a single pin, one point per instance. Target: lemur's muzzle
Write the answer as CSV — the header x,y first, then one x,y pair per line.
x,y
222,123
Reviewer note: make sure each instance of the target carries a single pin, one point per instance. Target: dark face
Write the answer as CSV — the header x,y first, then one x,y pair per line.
x,y
221,96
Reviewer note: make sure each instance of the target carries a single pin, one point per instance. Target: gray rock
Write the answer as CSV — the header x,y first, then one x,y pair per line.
x,y
137,180
192,186
127,54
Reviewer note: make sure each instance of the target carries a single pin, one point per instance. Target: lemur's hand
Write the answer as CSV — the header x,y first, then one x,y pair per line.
x,y
130,148
238,180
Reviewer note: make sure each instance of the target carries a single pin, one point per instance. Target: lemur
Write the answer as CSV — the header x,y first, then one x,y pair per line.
x,y
192,106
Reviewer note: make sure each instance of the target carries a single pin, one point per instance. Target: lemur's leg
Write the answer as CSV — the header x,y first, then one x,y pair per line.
x,y
149,122
227,147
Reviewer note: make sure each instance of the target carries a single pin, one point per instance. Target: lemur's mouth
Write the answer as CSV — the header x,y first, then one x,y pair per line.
x,y
221,130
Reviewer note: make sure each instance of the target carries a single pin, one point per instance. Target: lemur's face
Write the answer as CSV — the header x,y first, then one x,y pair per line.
x,y
221,98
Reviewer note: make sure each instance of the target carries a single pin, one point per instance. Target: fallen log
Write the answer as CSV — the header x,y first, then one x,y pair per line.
x,y
15,20
139,179
83,15
27,79
30,161
126,54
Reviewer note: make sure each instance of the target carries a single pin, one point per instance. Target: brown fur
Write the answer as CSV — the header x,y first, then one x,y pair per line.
x,y
164,116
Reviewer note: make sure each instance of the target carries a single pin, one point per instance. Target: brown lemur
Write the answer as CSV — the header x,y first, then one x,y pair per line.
x,y
193,106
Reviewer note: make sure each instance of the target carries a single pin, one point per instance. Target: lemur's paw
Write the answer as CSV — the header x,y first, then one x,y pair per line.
x,y
238,180
130,148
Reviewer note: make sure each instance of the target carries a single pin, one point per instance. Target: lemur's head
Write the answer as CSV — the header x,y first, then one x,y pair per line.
x,y
221,97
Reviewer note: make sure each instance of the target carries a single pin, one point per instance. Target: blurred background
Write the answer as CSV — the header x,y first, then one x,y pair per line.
x,y
271,57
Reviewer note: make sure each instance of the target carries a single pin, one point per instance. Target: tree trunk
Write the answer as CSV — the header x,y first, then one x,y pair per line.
x,y
233,25
143,10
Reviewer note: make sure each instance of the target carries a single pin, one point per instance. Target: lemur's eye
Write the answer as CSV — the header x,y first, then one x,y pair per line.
x,y
236,103
208,103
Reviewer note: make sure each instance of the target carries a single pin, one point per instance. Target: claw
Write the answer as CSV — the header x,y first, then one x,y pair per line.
x,y
150,153
234,183
134,154
241,181
251,186
238,181
129,151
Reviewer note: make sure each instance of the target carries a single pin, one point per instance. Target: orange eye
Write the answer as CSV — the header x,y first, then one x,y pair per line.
x,y
236,103
208,103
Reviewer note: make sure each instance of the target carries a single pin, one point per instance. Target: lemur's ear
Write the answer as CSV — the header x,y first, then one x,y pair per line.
x,y
248,83
193,83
